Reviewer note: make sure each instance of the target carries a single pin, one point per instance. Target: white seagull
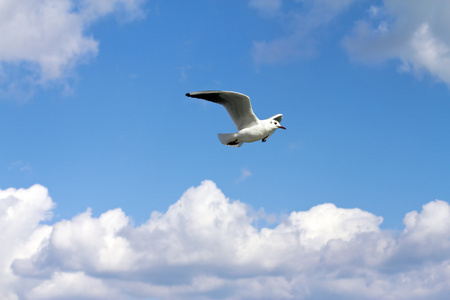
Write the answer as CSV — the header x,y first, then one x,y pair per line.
x,y
250,128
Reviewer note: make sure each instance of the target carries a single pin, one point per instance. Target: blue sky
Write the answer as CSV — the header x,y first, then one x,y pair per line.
x,y
92,110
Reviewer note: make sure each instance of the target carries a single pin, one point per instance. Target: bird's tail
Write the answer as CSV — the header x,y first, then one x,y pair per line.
x,y
229,139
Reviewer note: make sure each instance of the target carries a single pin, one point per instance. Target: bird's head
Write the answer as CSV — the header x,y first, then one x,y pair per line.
x,y
275,124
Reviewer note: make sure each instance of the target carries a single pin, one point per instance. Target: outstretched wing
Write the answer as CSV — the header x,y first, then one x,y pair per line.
x,y
238,106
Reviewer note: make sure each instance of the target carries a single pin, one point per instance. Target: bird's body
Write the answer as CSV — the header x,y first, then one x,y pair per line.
x,y
250,128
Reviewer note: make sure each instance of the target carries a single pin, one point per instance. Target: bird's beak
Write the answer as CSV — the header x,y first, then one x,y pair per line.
x,y
282,127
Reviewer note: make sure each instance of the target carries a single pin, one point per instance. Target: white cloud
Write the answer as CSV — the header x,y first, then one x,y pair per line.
x,y
21,212
74,285
208,247
41,41
415,33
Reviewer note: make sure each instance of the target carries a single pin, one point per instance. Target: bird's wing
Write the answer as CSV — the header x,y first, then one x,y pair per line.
x,y
237,105
278,117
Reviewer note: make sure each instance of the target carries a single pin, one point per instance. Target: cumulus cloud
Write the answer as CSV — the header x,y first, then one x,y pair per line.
x,y
41,41
21,212
206,246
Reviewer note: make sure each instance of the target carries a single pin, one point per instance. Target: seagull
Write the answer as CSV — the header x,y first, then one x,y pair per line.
x,y
250,128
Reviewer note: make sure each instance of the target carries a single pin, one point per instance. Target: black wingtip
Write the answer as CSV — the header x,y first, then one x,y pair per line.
x,y
188,94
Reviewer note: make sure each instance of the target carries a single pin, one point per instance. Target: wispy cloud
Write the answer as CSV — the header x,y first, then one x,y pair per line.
x,y
210,248
414,33
411,32
300,20
245,173
19,165
184,70
41,42
266,7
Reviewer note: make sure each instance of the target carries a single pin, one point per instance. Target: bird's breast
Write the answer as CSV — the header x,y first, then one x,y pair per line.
x,y
252,134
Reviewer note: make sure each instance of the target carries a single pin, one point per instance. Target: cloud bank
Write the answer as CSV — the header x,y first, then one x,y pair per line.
x,y
413,33
206,246
41,41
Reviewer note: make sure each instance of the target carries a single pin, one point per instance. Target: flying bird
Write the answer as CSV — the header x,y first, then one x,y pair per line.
x,y
250,128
